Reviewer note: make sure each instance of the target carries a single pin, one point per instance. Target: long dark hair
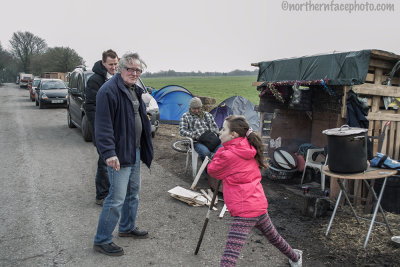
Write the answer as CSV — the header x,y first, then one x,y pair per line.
x,y
240,125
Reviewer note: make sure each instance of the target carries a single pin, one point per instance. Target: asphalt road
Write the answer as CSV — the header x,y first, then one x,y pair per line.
x,y
48,211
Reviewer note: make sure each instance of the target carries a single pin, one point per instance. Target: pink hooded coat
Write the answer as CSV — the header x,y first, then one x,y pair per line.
x,y
235,165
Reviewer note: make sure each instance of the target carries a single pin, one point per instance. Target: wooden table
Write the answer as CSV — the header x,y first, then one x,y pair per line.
x,y
369,174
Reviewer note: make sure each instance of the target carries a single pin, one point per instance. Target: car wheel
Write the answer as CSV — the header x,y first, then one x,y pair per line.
x,y
41,106
69,121
87,135
36,103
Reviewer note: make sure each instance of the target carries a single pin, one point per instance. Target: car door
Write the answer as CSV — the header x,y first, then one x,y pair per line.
x,y
80,100
74,103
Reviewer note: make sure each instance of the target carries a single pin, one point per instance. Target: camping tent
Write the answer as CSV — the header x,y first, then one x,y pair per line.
x,y
173,101
236,105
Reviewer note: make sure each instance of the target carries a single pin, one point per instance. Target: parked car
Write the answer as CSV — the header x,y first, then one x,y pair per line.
x,y
32,87
51,92
153,112
24,79
76,114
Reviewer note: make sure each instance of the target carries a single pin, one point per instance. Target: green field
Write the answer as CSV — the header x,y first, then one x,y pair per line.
x,y
220,87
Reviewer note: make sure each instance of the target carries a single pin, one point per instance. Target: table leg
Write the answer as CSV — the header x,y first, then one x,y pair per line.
x,y
378,204
342,187
371,189
334,212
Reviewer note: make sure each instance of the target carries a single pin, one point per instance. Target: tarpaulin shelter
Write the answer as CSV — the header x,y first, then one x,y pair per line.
x,y
373,75
236,105
173,101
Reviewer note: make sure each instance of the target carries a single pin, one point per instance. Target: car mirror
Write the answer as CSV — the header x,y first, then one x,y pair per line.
x,y
74,91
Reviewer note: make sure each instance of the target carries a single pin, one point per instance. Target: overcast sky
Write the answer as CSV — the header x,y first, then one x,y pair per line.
x,y
202,35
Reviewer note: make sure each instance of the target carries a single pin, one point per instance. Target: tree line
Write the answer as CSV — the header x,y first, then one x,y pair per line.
x,y
172,73
29,53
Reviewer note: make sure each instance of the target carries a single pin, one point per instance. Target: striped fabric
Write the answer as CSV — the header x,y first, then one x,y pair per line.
x,y
239,231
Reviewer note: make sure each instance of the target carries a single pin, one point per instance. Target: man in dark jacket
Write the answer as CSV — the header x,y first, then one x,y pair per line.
x,y
103,70
123,138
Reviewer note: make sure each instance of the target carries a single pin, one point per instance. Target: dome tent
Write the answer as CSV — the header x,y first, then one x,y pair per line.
x,y
173,101
236,105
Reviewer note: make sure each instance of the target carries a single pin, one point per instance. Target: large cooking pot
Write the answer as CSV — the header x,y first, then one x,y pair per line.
x,y
347,149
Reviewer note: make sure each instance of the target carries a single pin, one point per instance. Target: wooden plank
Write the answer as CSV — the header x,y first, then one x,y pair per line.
x,y
208,198
397,142
390,136
224,209
385,139
370,77
333,189
378,63
380,116
384,55
203,166
377,90
346,89
254,64
257,83
377,128
211,194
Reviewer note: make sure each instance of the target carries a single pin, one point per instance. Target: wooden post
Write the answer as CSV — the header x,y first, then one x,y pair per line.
x,y
377,125
346,89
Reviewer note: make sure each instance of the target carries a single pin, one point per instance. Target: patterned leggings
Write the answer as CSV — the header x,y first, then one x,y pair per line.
x,y
239,231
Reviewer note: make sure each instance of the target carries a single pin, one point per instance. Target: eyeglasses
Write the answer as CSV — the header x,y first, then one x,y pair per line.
x,y
132,70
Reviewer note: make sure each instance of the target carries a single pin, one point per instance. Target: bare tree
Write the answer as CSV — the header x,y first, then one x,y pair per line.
x,y
24,45
7,66
62,59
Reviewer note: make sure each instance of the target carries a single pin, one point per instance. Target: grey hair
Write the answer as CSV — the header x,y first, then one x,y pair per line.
x,y
131,58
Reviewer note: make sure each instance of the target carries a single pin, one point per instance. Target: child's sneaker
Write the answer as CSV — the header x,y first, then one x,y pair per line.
x,y
300,261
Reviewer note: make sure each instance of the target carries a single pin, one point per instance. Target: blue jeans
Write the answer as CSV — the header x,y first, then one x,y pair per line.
x,y
121,201
203,151
101,180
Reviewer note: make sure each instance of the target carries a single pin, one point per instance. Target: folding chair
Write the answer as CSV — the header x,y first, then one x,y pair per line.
x,y
191,153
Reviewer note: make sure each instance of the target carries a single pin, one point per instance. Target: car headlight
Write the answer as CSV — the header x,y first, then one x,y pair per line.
x,y
152,104
44,96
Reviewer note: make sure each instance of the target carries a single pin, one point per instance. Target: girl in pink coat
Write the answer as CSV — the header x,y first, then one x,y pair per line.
x,y
238,165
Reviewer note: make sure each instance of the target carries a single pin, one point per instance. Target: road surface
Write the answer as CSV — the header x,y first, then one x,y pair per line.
x,y
48,211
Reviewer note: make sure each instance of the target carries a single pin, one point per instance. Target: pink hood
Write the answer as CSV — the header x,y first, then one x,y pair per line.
x,y
235,165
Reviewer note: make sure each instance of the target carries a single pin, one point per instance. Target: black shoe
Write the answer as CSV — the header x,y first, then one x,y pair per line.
x,y
109,249
135,233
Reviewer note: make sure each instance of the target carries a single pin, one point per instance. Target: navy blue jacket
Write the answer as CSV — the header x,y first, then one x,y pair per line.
x,y
115,124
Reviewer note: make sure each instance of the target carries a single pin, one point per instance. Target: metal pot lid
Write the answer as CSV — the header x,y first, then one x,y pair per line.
x,y
284,160
344,130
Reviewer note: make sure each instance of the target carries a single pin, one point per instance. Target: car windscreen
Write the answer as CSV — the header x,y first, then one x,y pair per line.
x,y
52,85
36,83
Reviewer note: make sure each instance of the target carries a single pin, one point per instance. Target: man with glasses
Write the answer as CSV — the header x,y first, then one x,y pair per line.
x,y
103,70
123,138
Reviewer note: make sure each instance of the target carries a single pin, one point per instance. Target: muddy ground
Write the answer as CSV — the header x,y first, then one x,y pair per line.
x,y
344,244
